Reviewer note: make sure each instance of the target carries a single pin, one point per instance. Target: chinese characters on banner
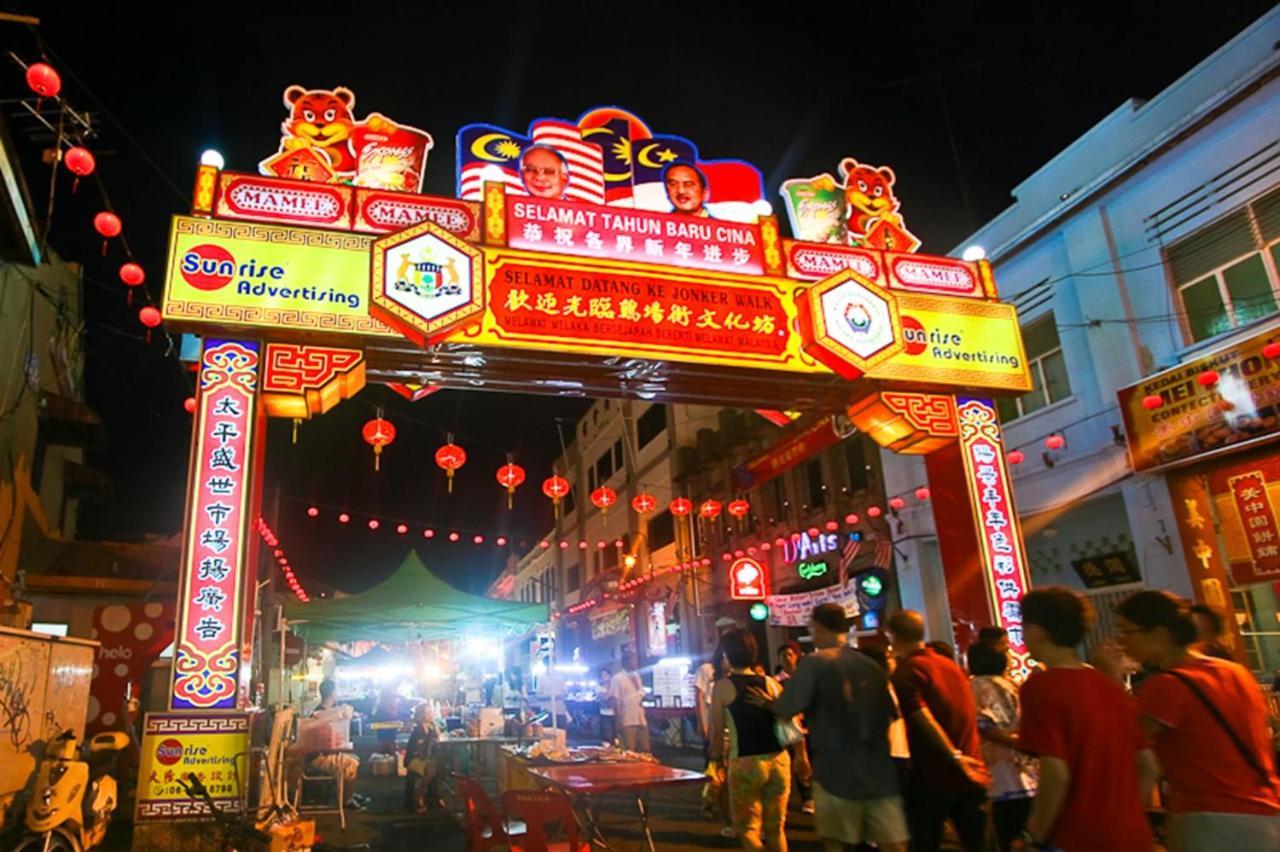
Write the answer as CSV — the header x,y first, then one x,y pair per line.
x,y
207,653
175,745
999,537
626,234
729,321
1258,519
797,446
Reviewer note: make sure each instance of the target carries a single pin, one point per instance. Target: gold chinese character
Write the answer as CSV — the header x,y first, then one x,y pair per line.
x,y
517,299
573,307
629,309
763,324
1194,520
602,307
655,312
1203,553
547,304
708,319
733,320
680,314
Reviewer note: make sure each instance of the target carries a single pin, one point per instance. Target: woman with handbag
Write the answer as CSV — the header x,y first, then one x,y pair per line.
x,y
759,768
1208,723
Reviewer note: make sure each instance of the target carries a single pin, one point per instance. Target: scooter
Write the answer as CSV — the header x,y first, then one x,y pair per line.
x,y
74,799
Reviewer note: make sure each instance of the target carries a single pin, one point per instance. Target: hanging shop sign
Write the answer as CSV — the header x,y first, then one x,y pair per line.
x,y
747,580
321,140
216,579
957,342
802,442
608,157
232,275
803,546
177,745
1195,416
1003,559
696,242
858,210
611,623
1107,569
794,610
621,309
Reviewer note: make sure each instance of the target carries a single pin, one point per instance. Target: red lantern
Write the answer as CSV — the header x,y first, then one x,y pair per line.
x,y
478,540
1152,401
555,487
1271,350
604,497
644,502
108,225
873,511
344,518
402,528
851,518
378,433
510,475
709,509
738,508
451,457
374,523
1016,457
896,503
43,80
80,163
189,405
831,526
453,536
1208,378
501,541
312,512
150,317
1055,442
922,493
132,274
681,506
813,532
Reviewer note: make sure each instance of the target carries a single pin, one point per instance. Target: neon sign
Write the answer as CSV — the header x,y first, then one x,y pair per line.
x,y
810,570
747,580
804,546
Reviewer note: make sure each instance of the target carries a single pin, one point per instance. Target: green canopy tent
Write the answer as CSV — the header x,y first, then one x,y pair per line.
x,y
409,605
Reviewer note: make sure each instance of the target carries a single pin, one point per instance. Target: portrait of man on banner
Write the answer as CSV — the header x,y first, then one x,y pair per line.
x,y
686,188
544,171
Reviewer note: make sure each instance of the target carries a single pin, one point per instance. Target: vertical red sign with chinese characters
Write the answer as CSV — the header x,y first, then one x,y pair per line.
x,y
1004,562
213,598
1258,518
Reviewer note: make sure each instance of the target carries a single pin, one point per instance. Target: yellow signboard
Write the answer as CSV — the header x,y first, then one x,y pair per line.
x,y
960,342
212,746
244,274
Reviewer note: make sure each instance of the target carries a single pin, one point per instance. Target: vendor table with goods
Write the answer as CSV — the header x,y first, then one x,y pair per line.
x,y
589,773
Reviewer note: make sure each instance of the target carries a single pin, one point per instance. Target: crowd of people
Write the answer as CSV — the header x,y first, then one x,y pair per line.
x,y
890,742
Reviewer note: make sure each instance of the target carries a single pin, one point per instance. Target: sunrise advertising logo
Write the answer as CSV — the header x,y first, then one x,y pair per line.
x,y
210,267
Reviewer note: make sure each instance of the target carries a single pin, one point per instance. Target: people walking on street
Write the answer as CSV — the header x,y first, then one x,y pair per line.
x,y
626,691
1095,767
608,719
1207,720
948,778
845,699
801,769
1013,774
758,766
1210,632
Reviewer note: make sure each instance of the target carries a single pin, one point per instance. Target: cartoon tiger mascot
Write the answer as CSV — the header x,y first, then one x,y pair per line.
x,y
322,119
868,194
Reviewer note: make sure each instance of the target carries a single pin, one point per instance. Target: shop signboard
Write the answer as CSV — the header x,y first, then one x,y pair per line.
x,y
794,610
1003,560
1197,415
1107,569
747,580
802,442
611,623
215,572
212,746
243,275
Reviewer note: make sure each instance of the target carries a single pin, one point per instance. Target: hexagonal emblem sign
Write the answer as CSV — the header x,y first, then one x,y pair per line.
x,y
849,323
426,283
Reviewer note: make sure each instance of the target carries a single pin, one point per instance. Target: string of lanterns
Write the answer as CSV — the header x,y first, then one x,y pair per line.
x,y
270,540
45,82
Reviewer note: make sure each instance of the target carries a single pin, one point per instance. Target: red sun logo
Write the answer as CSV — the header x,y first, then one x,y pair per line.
x,y
914,335
169,752
208,267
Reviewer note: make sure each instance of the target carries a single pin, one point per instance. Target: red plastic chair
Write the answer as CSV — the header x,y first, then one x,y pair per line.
x,y
486,825
537,809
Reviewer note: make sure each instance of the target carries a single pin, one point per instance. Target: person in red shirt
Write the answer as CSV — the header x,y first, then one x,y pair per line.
x,y
1094,763
1208,722
948,778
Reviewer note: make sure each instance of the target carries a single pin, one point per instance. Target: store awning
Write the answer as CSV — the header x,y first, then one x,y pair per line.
x,y
411,604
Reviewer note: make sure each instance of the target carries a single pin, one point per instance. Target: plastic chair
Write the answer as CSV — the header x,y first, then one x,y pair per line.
x,y
537,809
486,826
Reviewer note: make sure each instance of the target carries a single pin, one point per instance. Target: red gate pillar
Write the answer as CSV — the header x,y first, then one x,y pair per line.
x,y
217,589
979,536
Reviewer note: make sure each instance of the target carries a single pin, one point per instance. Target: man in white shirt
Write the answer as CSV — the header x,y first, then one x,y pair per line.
x,y
626,691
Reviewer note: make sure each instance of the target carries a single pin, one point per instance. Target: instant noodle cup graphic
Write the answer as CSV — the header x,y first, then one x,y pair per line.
x,y
390,156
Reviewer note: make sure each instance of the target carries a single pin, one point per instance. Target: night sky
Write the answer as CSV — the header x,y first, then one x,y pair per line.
x,y
789,88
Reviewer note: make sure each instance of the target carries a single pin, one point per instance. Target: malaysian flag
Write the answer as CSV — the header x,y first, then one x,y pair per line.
x,y
585,159
492,154
847,555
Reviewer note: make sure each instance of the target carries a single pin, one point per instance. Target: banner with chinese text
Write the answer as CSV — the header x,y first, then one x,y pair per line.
x,y
218,529
212,746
